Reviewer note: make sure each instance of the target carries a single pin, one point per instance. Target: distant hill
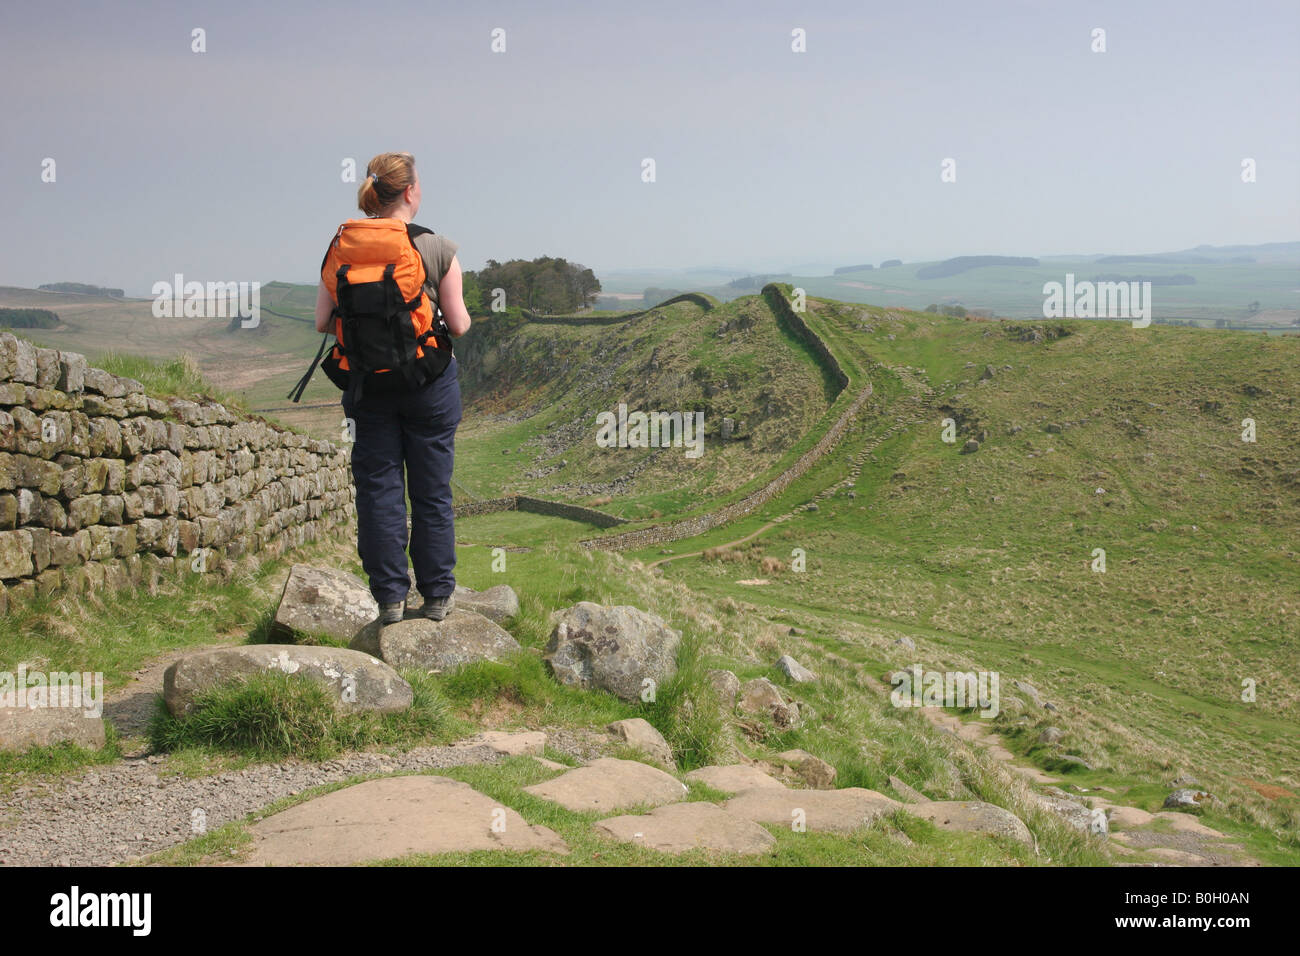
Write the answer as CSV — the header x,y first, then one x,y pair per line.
x,y
952,267
81,288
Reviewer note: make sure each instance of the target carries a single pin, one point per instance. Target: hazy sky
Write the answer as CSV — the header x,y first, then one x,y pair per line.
x,y
225,165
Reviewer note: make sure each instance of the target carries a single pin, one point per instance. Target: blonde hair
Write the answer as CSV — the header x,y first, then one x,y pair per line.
x,y
387,177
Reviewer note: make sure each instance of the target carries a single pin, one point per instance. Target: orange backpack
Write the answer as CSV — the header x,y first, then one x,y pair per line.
x,y
386,333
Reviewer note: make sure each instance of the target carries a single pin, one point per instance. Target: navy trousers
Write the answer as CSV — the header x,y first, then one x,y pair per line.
x,y
405,440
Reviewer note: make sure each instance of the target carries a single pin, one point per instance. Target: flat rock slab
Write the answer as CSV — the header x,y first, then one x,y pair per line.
x,y
25,727
327,602
1186,823
357,681
734,778
525,742
683,827
832,811
392,817
1130,816
972,816
610,784
463,637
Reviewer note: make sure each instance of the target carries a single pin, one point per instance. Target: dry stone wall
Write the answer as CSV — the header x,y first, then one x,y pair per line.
x,y
539,506
105,487
705,302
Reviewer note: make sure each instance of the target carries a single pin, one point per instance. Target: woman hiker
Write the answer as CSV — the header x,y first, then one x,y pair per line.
x,y
402,396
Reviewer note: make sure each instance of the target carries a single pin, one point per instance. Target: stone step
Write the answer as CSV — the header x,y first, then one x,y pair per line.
x,y
393,817
682,827
610,784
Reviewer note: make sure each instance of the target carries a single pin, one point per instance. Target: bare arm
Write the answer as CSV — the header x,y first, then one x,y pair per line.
x,y
451,300
324,306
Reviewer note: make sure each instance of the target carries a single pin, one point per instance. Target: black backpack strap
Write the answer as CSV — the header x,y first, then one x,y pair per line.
x,y
296,392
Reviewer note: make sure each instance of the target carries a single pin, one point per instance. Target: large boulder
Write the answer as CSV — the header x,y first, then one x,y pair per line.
x,y
462,637
617,649
325,602
357,681
499,603
24,727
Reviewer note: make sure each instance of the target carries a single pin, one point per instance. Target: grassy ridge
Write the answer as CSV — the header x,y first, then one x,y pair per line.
x,y
986,558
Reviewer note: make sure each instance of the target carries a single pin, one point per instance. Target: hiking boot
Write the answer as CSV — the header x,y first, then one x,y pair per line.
x,y
437,608
391,613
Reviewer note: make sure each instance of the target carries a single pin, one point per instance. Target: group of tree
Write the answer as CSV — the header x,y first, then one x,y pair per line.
x,y
28,319
547,285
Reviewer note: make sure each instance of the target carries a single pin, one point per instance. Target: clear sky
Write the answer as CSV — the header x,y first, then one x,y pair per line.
x,y
225,165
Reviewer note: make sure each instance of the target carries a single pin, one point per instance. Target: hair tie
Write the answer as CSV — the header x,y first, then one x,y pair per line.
x,y
374,177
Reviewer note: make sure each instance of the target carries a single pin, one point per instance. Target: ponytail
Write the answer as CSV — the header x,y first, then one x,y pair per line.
x,y
387,177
